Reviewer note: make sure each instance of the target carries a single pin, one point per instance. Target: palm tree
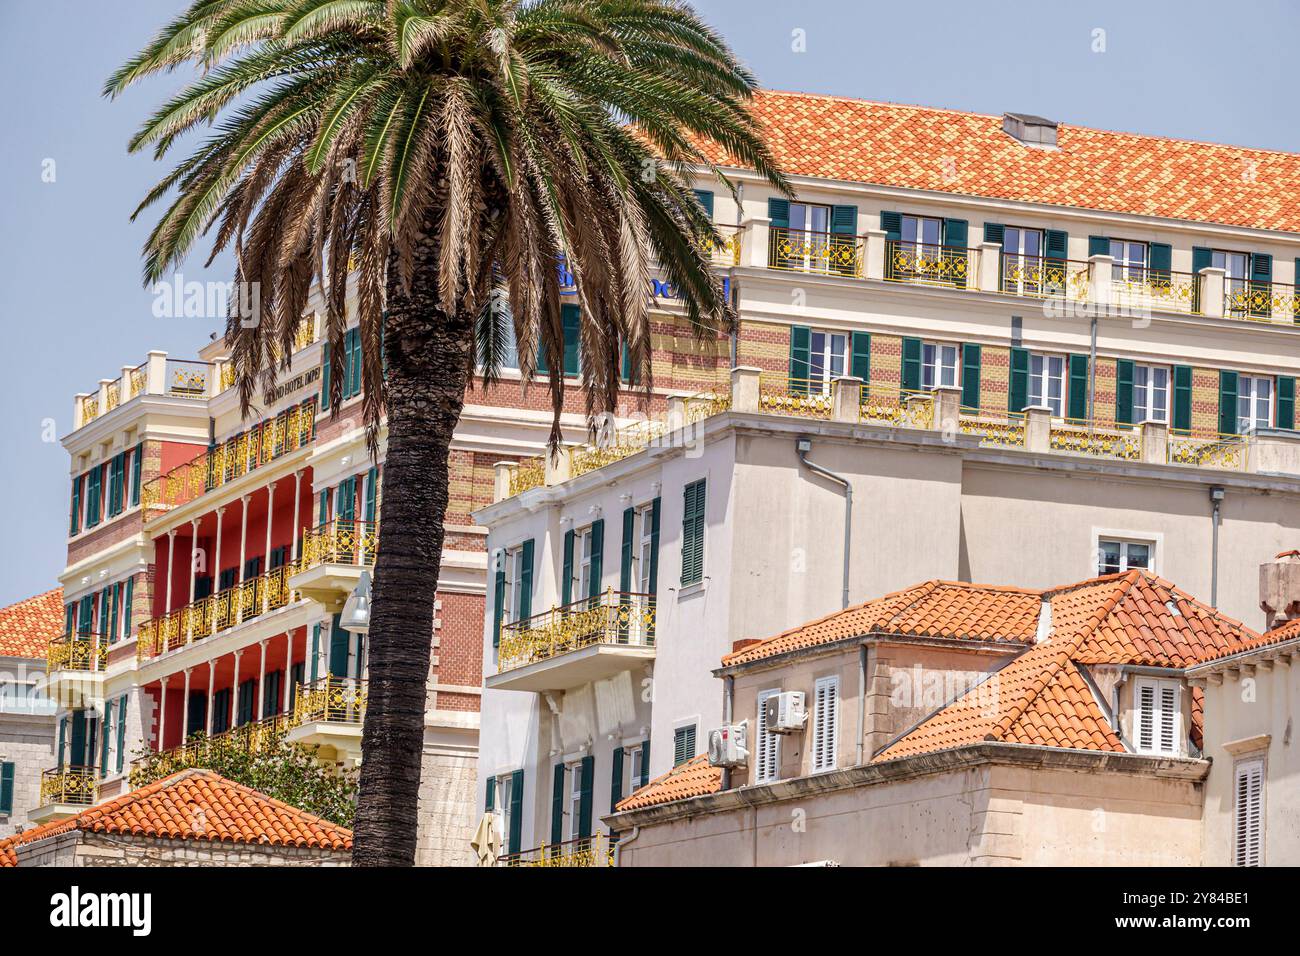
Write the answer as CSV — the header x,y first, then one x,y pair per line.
x,y
442,155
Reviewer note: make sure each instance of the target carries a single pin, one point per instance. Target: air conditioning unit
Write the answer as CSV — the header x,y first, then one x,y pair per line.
x,y
784,713
727,745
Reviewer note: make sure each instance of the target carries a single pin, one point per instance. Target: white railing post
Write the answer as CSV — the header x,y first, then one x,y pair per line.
x,y
501,480
947,407
846,399
1155,442
1038,428
1101,280
156,373
759,230
744,388
876,242
1212,292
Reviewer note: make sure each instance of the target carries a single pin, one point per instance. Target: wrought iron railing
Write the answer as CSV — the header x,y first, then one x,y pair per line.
x,y
1261,301
335,700
78,651
288,431
823,253
726,252
1226,452
529,473
614,617
1097,440
800,397
615,446
340,541
1142,288
1036,277
999,431
199,749
925,264
889,405
593,851
68,785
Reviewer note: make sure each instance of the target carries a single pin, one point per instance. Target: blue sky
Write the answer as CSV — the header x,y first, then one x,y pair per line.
x,y
74,310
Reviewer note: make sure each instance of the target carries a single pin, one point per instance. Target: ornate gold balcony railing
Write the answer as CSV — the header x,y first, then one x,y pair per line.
x,y
1098,441
999,431
200,749
800,397
90,407
1036,277
340,541
704,405
78,651
925,264
615,617
1226,452
1140,288
1262,301
887,405
335,700
139,380
68,785
823,253
726,252
288,431
529,473
216,612
593,851
615,446
303,336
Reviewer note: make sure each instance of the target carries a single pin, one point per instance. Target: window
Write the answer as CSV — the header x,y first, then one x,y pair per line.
x,y
810,226
693,534
574,774
922,231
1150,393
826,357
583,577
644,553
1159,719
1116,555
1047,382
767,749
826,721
503,806
6,787
1254,402
1130,260
683,745
514,568
938,365
1022,259
1236,267
635,771
1248,814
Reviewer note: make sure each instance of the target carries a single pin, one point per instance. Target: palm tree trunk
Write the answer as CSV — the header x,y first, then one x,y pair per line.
x,y
428,363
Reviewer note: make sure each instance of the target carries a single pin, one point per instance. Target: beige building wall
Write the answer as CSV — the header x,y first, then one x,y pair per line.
x,y
78,848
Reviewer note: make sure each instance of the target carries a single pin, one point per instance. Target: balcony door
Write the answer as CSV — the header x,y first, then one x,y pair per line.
x,y
1022,261
810,227
826,357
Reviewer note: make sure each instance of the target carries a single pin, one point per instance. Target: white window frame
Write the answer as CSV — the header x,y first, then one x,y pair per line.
x,y
1042,379
643,554
573,771
582,566
1165,733
502,809
1255,402
1124,541
513,565
813,240
912,229
1149,406
1014,247
936,365
767,746
834,351
1236,269
1251,771
825,743
1128,267
632,768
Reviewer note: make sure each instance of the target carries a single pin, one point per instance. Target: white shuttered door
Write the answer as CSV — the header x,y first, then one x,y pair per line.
x,y
1249,813
826,722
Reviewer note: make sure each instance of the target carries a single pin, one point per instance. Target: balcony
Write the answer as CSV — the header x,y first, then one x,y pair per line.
x,y
594,851
215,613
328,714
292,429
84,651
820,253
157,375
199,749
576,644
65,792
922,264
333,557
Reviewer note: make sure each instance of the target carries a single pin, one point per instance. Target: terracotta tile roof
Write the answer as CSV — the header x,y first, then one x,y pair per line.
x,y
1283,632
195,805
26,628
949,151
694,778
944,609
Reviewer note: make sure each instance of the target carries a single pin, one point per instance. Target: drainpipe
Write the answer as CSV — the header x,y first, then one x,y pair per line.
x,y
804,446
1216,498
728,696
862,698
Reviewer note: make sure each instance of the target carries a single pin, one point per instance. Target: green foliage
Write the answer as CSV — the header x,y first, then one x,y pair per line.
x,y
266,762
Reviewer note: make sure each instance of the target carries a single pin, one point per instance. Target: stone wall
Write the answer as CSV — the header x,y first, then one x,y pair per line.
x,y
79,848
27,741
448,776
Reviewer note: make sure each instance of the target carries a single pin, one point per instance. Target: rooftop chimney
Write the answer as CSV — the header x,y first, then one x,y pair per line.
x,y
1279,588
1029,130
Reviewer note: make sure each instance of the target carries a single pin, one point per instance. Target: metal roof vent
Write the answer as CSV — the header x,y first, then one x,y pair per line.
x,y
1034,131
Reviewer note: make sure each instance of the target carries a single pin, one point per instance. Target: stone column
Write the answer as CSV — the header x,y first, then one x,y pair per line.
x,y
1155,442
756,242
990,267
1212,292
556,466
162,714
171,565
297,516
215,570
259,705
1038,428
744,389
846,399
185,708
501,480
194,550
212,689
156,373
876,241
288,667
234,690
243,535
1101,281
947,407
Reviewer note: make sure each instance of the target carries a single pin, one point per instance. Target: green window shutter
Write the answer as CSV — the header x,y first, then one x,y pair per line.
x,y
844,220
654,546
490,795
616,779
705,199
1261,282
645,763
1018,395
597,557
571,317
557,805
1124,392
1228,403
970,375
625,556
861,367
339,640
86,615
1161,256
1285,401
911,365
352,372
955,232
778,211
586,781
6,787
516,810
74,524
1099,245
1261,267
994,232
526,580
498,606
1056,244
372,481
566,582
69,611
1201,258
800,343
693,533
1078,396
114,602
103,741
94,489
136,460
1182,398
77,756
128,597
121,733
244,710
345,506
325,364
63,736
324,507
891,224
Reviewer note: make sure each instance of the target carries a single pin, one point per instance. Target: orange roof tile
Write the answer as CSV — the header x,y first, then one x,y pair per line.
x,y
948,151
1288,630
26,628
694,778
195,805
